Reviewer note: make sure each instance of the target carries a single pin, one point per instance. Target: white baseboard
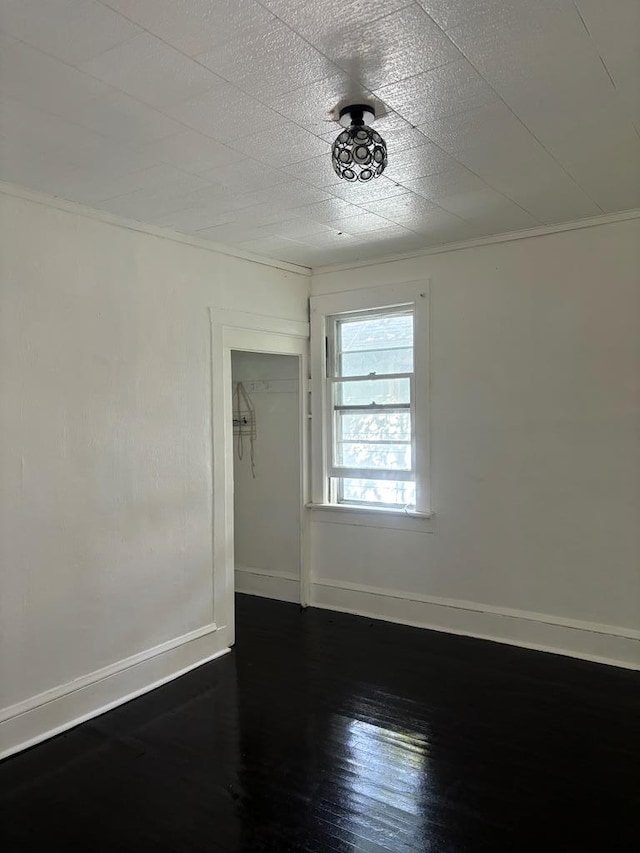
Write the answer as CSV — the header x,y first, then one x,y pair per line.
x,y
268,584
572,638
47,714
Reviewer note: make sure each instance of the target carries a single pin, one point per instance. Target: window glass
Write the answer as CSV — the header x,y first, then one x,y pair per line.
x,y
384,492
386,457
379,392
378,426
396,360
375,332
372,416
375,345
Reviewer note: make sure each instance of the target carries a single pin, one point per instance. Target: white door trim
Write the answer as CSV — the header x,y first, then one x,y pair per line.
x,y
251,334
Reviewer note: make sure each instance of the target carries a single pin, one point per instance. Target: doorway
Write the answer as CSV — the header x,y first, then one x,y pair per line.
x,y
266,474
232,332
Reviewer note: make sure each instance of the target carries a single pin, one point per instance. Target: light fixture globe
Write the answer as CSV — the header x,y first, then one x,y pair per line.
x,y
359,152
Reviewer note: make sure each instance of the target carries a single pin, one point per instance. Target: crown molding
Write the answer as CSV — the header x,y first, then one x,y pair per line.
x,y
73,207
526,234
154,230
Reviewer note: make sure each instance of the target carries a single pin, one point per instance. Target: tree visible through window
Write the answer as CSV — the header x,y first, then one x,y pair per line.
x,y
370,374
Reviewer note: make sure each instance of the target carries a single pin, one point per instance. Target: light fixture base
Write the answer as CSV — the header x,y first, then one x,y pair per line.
x,y
356,114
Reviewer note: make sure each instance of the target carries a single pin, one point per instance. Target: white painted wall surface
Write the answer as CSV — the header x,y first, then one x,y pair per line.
x,y
105,442
535,449
267,508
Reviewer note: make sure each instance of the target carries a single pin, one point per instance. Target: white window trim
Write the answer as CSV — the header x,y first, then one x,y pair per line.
x,y
415,294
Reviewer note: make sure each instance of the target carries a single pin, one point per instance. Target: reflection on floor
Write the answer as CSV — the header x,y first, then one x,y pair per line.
x,y
324,732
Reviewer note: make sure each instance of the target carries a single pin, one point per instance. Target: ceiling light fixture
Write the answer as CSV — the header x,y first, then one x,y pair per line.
x,y
359,153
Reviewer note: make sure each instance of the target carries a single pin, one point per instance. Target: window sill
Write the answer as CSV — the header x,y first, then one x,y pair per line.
x,y
359,516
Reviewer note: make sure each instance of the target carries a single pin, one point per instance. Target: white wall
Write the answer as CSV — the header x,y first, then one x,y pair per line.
x,y
535,450
105,453
267,508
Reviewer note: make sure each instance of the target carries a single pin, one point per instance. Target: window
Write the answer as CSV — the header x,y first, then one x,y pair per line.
x,y
369,393
371,435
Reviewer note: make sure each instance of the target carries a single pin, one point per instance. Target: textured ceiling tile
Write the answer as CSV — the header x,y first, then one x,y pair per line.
x,y
284,144
272,245
560,200
90,186
614,28
492,126
70,30
613,188
546,93
615,34
331,239
41,81
41,133
293,228
452,13
536,55
316,105
193,152
401,140
230,232
441,234
328,211
197,25
389,49
379,188
145,205
273,60
320,20
393,242
121,117
390,231
194,219
99,153
398,133
152,71
441,92
281,248
519,29
501,222
603,132
471,203
42,173
488,208
224,199
557,144
275,246
225,113
292,194
264,213
247,175
453,181
491,142
428,159
445,225
400,207
316,171
361,223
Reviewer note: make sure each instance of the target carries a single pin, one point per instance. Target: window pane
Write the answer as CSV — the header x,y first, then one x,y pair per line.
x,y
381,361
376,332
366,426
393,492
379,391
387,457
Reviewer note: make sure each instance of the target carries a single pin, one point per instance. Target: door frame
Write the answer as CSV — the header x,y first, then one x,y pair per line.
x,y
250,333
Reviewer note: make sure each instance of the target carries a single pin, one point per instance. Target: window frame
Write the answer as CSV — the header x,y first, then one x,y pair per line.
x,y
325,311
334,378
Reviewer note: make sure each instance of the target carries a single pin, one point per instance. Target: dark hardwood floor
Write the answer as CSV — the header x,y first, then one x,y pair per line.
x,y
324,732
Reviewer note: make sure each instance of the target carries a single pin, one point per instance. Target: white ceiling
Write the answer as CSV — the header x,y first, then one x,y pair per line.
x,y
213,117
